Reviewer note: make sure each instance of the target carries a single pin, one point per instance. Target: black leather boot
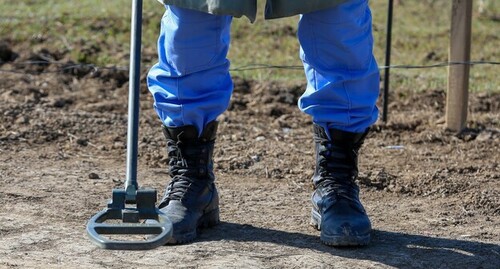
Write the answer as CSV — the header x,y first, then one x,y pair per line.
x,y
337,211
191,200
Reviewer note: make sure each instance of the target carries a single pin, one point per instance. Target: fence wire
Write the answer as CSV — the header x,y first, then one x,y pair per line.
x,y
94,68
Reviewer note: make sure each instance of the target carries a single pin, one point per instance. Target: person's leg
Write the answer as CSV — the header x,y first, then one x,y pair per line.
x,y
191,86
341,71
342,89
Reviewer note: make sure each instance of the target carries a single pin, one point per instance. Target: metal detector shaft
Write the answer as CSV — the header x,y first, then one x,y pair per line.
x,y
134,91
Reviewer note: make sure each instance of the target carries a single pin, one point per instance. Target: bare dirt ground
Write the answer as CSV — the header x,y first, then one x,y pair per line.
x,y
434,199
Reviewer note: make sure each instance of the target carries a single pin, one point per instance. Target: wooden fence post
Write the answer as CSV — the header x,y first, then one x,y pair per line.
x,y
458,75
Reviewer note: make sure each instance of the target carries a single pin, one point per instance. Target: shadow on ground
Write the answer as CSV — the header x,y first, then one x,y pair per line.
x,y
390,248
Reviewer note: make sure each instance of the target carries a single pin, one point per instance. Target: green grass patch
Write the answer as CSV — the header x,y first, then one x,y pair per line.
x,y
98,32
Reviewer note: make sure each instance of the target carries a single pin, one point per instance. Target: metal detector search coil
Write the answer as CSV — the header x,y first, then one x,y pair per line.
x,y
159,230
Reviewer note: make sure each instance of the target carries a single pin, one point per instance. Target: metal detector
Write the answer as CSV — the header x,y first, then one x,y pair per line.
x,y
121,217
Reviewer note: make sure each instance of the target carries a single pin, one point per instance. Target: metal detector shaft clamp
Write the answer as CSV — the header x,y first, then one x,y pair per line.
x,y
132,218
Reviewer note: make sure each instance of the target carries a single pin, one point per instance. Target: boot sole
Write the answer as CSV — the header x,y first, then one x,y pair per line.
x,y
208,220
338,240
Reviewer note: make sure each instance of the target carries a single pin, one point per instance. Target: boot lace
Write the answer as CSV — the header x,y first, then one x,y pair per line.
x,y
338,170
180,172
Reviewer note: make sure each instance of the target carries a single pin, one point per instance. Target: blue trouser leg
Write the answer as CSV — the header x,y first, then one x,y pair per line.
x,y
191,84
342,74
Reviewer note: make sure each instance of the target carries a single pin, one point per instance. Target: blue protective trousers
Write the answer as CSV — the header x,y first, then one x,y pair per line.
x,y
191,84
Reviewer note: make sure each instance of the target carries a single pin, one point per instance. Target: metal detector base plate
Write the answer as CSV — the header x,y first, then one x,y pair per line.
x,y
132,222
